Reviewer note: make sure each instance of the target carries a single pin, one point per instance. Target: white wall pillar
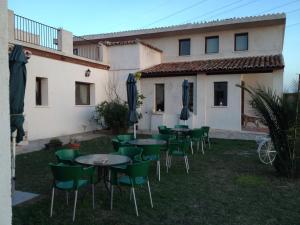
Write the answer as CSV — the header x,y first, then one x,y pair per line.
x,y
5,154
11,26
65,41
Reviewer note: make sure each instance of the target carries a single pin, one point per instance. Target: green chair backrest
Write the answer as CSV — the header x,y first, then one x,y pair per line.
x,y
115,143
181,126
165,137
63,172
66,155
151,150
124,137
179,145
162,127
205,130
130,151
139,169
197,133
164,130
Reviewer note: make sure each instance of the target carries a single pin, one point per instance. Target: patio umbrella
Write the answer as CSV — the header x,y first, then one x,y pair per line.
x,y
17,83
132,100
184,115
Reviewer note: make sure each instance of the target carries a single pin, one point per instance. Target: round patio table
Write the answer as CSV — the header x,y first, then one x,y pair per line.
x,y
103,162
147,141
180,130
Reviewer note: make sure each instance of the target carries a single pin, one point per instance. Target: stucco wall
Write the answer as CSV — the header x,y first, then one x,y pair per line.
x,y
205,112
224,117
262,41
266,80
148,57
5,152
173,102
61,116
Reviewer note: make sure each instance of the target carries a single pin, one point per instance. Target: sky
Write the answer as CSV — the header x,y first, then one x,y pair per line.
x,y
98,16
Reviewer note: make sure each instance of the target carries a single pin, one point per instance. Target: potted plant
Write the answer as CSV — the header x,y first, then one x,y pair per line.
x,y
74,143
53,144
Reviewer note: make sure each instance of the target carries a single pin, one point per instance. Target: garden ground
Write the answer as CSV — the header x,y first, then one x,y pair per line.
x,y
227,185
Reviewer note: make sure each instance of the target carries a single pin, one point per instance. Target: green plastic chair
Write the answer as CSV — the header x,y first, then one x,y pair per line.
x,y
115,143
197,136
165,137
206,135
67,156
152,153
178,148
125,137
136,175
164,130
181,126
71,178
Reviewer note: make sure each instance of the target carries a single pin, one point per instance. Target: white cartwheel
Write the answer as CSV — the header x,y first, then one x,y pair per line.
x,y
266,151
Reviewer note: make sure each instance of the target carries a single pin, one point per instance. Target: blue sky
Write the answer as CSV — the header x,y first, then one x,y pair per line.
x,y
96,16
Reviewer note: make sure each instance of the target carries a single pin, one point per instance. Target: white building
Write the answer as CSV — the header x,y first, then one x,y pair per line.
x,y
68,76
212,56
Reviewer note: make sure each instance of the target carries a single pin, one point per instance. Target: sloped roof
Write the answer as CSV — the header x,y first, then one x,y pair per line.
x,y
278,18
217,66
130,42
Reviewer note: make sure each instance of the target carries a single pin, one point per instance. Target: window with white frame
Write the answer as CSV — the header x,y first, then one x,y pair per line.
x,y
220,93
41,91
212,44
159,97
241,42
184,47
82,93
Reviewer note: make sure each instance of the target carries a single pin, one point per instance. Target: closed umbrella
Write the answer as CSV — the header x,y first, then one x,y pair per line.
x,y
132,101
17,84
184,115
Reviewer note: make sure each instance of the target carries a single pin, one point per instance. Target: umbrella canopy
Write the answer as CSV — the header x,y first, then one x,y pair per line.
x,y
132,99
184,115
17,84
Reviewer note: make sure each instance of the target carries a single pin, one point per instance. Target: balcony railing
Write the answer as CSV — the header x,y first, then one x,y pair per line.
x,y
86,48
30,31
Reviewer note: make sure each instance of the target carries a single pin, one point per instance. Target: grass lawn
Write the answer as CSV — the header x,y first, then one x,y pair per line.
x,y
227,185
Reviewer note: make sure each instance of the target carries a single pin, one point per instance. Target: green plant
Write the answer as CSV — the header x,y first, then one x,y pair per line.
x,y
280,115
113,113
139,103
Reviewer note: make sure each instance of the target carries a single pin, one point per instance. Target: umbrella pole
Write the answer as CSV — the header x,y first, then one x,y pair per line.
x,y
134,130
13,163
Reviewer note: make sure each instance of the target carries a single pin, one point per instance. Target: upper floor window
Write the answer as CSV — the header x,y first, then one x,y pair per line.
x,y
212,44
220,93
41,91
191,97
184,47
159,97
82,93
241,42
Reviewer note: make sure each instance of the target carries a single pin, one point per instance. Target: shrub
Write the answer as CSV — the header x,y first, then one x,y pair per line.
x,y
114,115
281,116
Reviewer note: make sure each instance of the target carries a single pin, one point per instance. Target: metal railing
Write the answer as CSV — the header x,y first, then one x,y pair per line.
x,y
33,32
86,48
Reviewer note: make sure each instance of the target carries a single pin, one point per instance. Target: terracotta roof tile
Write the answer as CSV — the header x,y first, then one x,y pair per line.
x,y
214,66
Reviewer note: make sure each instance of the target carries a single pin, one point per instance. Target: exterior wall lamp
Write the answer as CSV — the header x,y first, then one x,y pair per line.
x,y
87,73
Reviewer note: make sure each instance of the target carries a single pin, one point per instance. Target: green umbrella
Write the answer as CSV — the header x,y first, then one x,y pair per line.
x,y
132,101
184,115
17,84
